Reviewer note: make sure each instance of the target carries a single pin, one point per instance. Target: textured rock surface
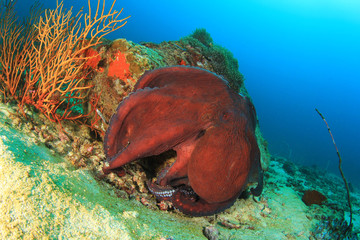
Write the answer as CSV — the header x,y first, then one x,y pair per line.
x,y
42,195
120,63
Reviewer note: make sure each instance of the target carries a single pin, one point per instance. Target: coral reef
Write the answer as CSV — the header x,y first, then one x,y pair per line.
x,y
203,36
331,213
44,196
125,206
16,39
114,86
115,73
198,50
330,228
42,64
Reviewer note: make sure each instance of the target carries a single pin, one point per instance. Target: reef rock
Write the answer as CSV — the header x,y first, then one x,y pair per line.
x,y
43,195
116,66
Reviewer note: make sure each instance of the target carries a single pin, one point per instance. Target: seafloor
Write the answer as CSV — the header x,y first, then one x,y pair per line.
x,y
43,195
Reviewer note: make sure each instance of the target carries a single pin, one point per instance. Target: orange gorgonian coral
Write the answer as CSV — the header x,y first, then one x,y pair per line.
x,y
16,41
42,60
55,82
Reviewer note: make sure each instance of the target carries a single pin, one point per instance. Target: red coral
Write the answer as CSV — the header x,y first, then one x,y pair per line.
x,y
119,67
182,62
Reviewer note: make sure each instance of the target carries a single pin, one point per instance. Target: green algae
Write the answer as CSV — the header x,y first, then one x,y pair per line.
x,y
44,196
222,60
203,36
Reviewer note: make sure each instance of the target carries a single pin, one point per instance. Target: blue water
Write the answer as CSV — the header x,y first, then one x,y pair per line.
x,y
295,55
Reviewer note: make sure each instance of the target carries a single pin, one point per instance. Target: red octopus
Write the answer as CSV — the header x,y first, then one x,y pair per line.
x,y
211,128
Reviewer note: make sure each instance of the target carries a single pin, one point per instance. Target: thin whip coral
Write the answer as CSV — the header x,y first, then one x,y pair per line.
x,y
340,169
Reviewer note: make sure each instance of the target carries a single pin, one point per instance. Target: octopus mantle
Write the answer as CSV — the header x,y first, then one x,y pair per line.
x,y
211,128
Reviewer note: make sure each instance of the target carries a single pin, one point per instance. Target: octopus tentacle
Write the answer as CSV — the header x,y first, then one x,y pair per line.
x,y
162,193
188,202
259,188
212,129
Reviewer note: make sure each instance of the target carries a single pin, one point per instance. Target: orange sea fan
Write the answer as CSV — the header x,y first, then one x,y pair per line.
x,y
56,81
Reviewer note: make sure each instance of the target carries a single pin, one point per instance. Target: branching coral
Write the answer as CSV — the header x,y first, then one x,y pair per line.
x,y
56,71
49,63
15,42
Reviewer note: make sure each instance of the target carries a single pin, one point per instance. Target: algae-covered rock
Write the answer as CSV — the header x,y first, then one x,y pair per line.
x,y
115,66
52,185
43,196
122,63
